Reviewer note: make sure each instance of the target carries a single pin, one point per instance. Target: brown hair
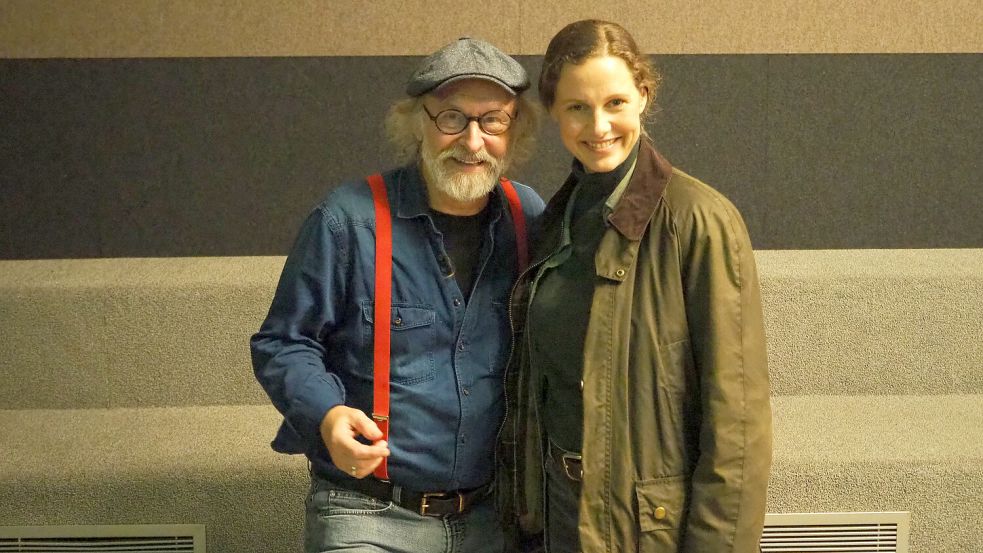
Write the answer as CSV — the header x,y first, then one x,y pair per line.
x,y
589,38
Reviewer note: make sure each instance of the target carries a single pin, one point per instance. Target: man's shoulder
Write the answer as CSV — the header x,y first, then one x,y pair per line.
x,y
352,199
532,203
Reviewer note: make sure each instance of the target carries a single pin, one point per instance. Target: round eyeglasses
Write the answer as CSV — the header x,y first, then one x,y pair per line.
x,y
452,121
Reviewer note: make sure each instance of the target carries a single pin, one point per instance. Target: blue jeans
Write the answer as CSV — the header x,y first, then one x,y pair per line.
x,y
344,521
562,510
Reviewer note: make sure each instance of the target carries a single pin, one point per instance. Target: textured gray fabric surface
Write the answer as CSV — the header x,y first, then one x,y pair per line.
x,y
227,155
922,454
195,465
132,332
873,321
129,398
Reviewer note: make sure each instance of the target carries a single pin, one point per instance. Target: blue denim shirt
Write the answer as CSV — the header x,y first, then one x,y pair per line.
x,y
314,350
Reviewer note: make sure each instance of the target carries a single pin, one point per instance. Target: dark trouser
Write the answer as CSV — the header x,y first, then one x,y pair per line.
x,y
562,509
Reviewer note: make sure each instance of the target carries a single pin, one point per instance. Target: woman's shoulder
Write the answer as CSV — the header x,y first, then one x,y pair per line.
x,y
688,196
697,209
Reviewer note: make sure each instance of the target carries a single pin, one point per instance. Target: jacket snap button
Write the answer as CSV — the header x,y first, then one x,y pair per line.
x,y
660,513
620,272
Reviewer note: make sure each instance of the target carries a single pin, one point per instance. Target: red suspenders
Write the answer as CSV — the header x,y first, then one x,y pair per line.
x,y
381,311
383,294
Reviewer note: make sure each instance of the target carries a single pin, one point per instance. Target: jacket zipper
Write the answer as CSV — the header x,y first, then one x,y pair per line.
x,y
508,364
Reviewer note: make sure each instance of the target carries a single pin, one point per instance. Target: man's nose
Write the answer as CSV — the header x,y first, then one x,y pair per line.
x,y
472,137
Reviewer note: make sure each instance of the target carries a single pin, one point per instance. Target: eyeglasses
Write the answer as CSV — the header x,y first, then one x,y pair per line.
x,y
452,121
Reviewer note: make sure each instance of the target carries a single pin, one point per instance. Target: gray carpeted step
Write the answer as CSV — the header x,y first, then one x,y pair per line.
x,y
132,332
922,454
200,465
874,321
155,332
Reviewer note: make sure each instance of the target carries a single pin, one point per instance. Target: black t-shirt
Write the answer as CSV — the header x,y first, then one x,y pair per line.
x,y
462,237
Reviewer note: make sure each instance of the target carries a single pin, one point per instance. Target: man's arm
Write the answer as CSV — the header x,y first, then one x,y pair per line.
x,y
287,354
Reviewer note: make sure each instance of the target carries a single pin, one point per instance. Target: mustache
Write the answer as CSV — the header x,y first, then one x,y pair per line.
x,y
461,153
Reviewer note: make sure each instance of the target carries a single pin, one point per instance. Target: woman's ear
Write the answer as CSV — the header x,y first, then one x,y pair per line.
x,y
645,98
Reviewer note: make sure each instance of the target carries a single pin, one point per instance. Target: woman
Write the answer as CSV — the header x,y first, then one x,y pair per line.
x,y
639,392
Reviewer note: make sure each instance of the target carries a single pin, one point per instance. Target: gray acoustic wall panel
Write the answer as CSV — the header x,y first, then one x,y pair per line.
x,y
225,156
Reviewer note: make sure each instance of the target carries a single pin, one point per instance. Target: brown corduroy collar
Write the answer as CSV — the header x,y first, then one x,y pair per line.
x,y
638,202
647,185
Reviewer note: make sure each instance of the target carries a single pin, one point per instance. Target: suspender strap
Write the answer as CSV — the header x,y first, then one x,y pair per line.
x,y
381,312
382,306
519,220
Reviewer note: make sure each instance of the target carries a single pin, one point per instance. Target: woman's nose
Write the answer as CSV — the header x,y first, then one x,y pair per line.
x,y
602,124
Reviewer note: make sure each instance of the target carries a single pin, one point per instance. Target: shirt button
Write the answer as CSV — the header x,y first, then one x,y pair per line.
x,y
460,346
467,391
457,302
398,322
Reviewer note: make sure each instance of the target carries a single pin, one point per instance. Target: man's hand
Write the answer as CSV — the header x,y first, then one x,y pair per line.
x,y
340,427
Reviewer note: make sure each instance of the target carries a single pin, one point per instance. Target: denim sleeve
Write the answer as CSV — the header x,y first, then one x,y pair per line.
x,y
287,353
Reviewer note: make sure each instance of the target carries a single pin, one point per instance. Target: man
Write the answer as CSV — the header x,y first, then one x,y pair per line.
x,y
454,259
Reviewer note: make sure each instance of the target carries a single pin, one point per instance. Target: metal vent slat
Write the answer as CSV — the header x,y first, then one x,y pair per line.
x,y
835,533
133,538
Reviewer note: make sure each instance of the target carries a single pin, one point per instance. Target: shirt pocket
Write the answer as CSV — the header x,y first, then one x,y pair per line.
x,y
661,512
412,339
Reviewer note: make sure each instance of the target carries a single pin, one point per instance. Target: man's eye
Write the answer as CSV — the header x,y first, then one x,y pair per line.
x,y
451,119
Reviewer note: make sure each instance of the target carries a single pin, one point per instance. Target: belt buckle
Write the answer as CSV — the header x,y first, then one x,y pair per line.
x,y
425,501
569,459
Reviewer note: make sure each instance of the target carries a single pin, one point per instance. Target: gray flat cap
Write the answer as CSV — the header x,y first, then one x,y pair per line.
x,y
468,58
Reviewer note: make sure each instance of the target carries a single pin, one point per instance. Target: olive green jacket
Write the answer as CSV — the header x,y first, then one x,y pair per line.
x,y
677,420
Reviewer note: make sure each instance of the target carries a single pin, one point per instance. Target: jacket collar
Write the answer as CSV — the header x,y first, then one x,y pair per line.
x,y
648,183
634,210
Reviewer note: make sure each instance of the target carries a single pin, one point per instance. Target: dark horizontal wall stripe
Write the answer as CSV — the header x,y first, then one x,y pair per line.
x,y
195,28
225,156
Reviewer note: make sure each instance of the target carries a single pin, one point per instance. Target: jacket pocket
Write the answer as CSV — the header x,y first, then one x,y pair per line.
x,y
412,339
661,512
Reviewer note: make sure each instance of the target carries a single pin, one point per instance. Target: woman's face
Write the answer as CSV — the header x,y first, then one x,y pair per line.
x,y
598,108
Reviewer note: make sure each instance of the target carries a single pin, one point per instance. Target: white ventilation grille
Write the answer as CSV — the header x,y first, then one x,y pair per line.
x,y
131,538
836,533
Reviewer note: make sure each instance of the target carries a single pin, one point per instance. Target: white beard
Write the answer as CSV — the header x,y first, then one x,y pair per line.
x,y
461,187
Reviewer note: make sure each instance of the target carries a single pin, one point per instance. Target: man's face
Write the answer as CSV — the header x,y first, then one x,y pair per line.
x,y
464,167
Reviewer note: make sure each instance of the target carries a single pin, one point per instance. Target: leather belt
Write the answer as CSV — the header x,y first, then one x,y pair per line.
x,y
571,462
432,504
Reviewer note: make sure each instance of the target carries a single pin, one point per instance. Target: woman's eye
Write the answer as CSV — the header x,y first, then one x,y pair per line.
x,y
618,102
